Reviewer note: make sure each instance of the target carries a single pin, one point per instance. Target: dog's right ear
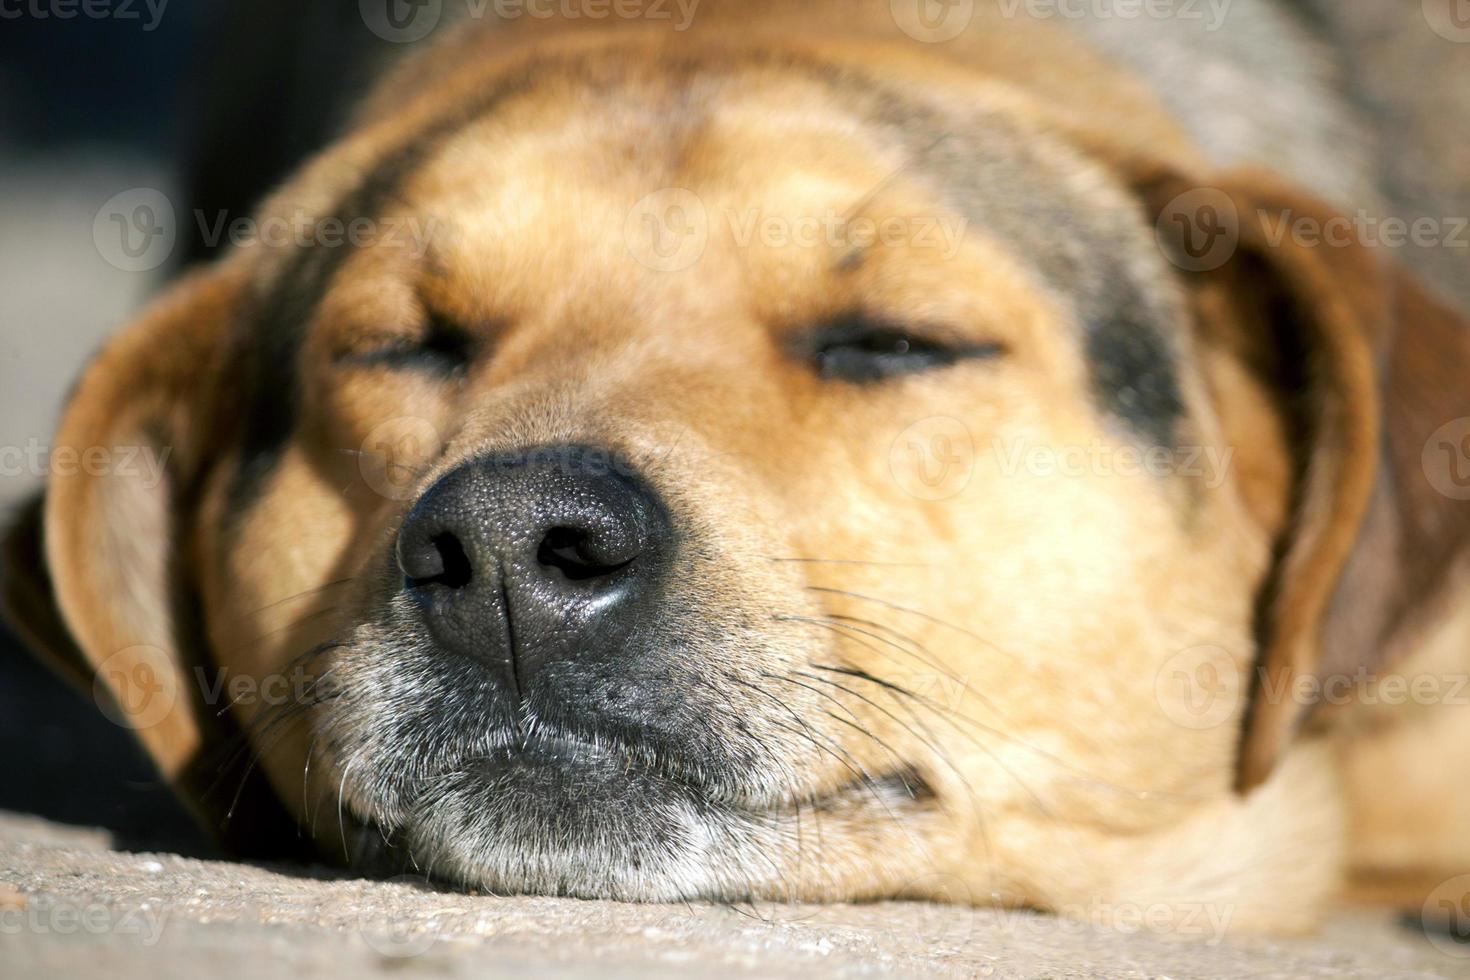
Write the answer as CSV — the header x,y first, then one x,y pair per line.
x,y
96,569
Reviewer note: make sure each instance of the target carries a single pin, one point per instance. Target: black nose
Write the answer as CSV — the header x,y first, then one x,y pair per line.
x,y
528,558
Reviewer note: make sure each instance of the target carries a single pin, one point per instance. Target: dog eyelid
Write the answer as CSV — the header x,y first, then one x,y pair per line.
x,y
856,347
443,348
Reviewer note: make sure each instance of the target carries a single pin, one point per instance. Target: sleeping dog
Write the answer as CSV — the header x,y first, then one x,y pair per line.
x,y
834,451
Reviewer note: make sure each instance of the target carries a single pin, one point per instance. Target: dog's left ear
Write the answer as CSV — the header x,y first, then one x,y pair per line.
x,y
1371,389
95,569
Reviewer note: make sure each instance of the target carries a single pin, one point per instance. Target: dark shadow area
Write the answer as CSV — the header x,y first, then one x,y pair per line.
x,y
227,98
74,766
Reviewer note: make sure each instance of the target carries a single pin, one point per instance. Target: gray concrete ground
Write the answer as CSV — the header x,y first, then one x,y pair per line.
x,y
72,906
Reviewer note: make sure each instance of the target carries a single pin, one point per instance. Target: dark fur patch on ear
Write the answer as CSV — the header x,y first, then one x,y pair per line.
x,y
28,599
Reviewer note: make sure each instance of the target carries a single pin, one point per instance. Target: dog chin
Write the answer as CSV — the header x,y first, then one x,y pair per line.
x,y
555,815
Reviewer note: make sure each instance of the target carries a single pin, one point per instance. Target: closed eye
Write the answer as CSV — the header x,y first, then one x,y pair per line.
x,y
857,348
443,349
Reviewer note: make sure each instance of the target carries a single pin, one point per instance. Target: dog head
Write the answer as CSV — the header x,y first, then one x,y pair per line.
x,y
721,471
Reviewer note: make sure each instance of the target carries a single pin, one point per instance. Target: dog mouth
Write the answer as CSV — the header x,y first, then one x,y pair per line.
x,y
559,762
576,771
552,812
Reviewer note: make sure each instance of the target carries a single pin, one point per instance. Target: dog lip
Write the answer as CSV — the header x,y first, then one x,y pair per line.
x,y
561,753
564,755
561,749
567,754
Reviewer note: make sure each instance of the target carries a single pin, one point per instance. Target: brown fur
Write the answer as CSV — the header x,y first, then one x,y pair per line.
x,y
1037,611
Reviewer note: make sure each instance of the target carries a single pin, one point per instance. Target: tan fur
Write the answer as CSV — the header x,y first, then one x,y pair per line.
x,y
1037,612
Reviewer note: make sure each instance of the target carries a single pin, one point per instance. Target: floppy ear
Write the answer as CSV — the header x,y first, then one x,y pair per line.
x,y
1367,365
95,568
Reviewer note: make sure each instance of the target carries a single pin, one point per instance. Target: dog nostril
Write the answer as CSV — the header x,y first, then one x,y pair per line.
x,y
457,570
572,552
440,560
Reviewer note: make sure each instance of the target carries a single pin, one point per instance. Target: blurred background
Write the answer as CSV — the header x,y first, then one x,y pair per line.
x,y
198,106
88,109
